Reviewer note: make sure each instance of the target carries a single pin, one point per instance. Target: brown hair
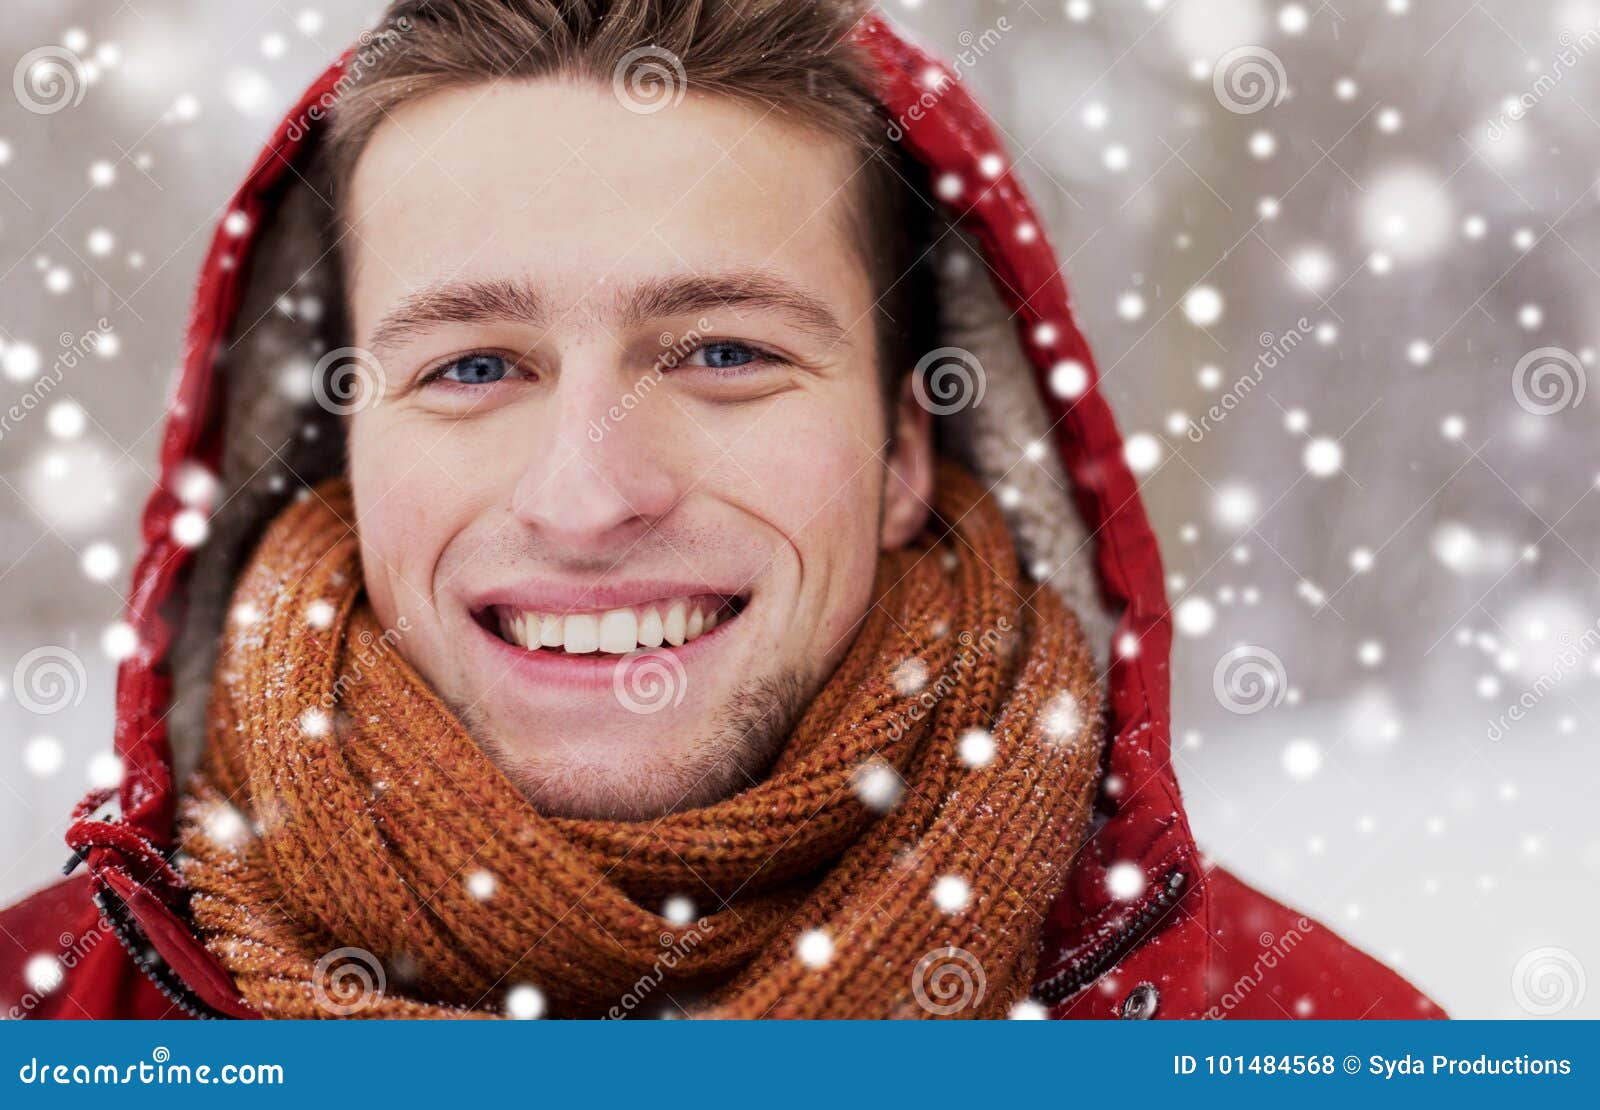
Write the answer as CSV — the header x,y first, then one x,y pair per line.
x,y
795,58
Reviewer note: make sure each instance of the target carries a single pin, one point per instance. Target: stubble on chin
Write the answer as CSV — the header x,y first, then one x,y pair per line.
x,y
734,753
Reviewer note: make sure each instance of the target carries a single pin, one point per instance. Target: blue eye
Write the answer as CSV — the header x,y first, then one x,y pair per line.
x,y
724,356
475,370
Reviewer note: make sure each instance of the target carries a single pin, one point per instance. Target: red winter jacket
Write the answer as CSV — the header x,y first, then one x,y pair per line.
x,y
1180,938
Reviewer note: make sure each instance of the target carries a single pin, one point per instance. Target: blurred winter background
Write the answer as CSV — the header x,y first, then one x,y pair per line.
x,y
1339,265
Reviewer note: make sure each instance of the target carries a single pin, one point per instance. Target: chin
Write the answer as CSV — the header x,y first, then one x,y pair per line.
x,y
622,777
613,764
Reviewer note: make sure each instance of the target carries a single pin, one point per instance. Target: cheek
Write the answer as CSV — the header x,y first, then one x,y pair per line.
x,y
406,503
817,480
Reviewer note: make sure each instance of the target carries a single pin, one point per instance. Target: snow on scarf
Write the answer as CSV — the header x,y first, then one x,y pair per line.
x,y
352,852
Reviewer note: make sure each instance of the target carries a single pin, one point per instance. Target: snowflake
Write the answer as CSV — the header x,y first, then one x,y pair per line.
x,y
189,528
679,910
481,885
910,677
976,747
1062,717
877,784
43,973
525,1003
1302,759
815,948
951,893
1125,881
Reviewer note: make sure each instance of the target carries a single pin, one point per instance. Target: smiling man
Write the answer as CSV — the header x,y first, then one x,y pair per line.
x,y
664,552
726,524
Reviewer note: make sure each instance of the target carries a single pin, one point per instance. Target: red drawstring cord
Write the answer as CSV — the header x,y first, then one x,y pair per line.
x,y
142,860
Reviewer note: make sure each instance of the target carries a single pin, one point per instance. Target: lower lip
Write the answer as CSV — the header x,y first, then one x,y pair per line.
x,y
593,670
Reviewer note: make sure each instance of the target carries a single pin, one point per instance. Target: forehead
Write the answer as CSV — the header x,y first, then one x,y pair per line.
x,y
561,179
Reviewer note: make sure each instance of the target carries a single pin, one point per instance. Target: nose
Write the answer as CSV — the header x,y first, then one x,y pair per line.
x,y
603,472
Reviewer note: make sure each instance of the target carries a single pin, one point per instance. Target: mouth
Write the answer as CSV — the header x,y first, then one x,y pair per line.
x,y
670,623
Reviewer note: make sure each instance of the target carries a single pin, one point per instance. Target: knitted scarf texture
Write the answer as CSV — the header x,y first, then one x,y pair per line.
x,y
353,853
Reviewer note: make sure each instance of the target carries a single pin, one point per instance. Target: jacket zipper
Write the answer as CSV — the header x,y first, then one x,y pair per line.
x,y
115,914
1095,963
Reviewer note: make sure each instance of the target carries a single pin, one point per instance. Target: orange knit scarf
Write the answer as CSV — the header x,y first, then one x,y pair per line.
x,y
352,851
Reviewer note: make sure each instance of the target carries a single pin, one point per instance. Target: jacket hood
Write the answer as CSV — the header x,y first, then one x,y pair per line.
x,y
244,433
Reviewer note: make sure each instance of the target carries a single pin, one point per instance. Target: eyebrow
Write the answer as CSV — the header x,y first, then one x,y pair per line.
x,y
518,300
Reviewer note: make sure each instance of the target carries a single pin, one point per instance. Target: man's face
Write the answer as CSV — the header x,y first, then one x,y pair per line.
x,y
627,480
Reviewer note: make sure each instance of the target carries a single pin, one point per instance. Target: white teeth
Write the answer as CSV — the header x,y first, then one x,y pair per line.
x,y
549,628
581,634
672,625
619,631
614,632
650,631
